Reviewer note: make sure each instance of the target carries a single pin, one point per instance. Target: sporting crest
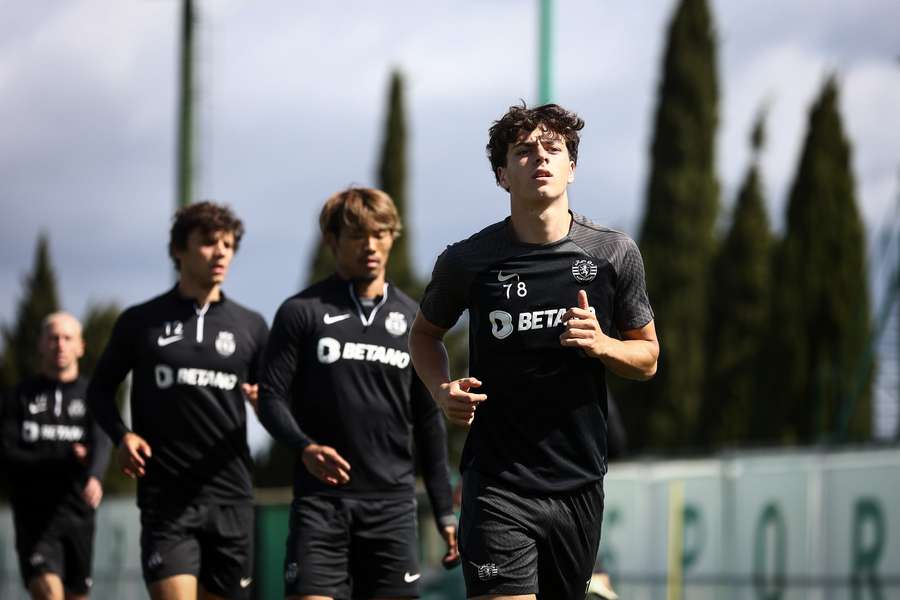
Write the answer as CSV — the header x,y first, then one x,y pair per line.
x,y
225,344
584,270
395,323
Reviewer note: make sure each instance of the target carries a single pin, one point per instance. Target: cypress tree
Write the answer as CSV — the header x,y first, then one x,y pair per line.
x,y
392,169
97,329
392,180
821,302
677,235
738,317
20,356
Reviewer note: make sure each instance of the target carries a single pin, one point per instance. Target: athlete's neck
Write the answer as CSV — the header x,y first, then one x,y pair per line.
x,y
65,375
543,223
202,294
369,288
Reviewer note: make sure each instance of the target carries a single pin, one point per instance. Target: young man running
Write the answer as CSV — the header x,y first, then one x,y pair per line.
x,y
554,301
194,355
56,456
337,386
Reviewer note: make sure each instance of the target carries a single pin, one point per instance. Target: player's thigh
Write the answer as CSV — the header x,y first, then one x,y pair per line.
x,y
170,546
226,548
176,587
384,558
316,558
568,548
39,549
497,540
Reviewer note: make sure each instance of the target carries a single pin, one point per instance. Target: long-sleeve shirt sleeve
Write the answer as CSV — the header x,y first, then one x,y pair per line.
x,y
276,377
115,363
430,435
99,460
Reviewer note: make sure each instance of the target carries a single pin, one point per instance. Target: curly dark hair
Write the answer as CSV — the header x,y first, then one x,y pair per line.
x,y
208,217
552,118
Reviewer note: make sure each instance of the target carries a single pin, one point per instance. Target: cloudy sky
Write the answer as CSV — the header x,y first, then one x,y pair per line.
x,y
292,97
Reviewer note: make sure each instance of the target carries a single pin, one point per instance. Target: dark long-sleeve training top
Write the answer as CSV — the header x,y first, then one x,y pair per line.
x,y
188,363
338,373
41,420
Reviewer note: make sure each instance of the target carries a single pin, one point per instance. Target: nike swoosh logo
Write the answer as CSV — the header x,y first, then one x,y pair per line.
x,y
335,319
410,578
165,341
245,581
502,277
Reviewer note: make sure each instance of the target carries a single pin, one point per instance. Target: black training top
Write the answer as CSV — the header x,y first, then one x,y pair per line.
x,y
187,364
342,373
538,429
41,420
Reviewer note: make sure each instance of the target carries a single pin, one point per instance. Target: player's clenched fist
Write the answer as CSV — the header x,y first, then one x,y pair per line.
x,y
583,330
457,402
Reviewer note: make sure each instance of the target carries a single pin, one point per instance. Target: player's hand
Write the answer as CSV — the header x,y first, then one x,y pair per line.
x,y
92,492
81,452
133,454
451,558
326,464
457,402
583,331
251,391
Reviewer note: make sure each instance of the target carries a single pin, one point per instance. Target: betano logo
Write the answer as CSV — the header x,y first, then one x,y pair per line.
x,y
329,351
502,322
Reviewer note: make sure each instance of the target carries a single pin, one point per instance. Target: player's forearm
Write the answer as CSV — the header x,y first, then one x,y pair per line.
x,y
429,358
99,453
631,359
101,397
278,420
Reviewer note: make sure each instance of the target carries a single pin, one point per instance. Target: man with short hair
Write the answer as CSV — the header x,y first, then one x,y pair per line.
x,y
56,457
194,355
554,301
337,386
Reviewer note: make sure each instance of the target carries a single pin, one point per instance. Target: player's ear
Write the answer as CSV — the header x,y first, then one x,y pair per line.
x,y
501,178
571,172
330,240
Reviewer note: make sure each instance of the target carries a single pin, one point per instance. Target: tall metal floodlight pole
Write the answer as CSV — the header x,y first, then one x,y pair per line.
x,y
545,63
184,177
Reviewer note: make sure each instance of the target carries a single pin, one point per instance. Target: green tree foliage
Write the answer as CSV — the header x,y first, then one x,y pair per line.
x,y
20,354
739,318
822,381
392,169
677,237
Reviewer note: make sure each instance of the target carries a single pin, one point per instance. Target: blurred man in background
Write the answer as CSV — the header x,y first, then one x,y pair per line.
x,y
56,457
193,354
547,290
338,387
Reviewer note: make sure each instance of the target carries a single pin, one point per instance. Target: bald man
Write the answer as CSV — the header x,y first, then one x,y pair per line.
x,y
56,457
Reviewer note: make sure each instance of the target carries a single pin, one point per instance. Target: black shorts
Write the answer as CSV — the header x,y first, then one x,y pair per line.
x,y
359,548
55,542
213,542
512,543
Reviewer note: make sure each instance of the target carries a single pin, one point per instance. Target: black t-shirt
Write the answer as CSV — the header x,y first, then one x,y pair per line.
x,y
338,373
41,420
538,429
187,364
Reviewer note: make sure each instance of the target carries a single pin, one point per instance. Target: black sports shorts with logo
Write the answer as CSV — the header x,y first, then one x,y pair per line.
x,y
352,548
55,542
213,542
512,543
